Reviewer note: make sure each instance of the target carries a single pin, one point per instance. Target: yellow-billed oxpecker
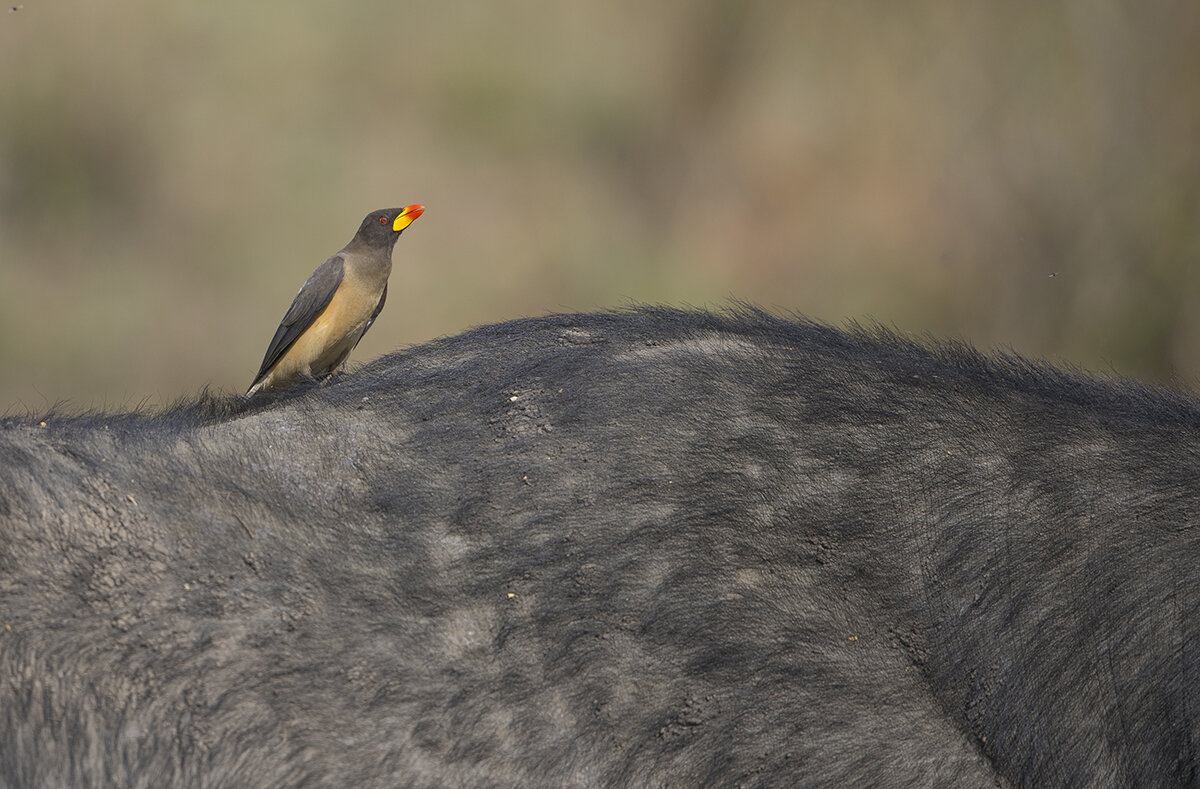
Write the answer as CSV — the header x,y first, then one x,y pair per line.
x,y
336,306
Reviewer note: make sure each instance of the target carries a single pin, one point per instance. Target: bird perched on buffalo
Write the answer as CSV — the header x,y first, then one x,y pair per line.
x,y
336,306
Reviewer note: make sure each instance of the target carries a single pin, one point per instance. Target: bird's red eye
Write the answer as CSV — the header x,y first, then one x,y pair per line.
x,y
383,220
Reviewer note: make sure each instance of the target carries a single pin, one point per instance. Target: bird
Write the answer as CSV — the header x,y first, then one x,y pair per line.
x,y
335,306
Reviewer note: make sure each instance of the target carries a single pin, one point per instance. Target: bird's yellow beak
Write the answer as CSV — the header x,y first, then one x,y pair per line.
x,y
407,216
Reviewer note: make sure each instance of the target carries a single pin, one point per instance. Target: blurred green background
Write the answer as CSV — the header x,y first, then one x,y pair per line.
x,y
1016,174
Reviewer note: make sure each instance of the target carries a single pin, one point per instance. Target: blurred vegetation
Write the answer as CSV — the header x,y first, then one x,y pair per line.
x,y
1017,174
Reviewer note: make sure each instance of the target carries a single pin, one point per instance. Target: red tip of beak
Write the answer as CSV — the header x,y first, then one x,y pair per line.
x,y
414,211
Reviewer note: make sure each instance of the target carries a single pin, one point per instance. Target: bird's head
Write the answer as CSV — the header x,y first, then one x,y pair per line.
x,y
381,228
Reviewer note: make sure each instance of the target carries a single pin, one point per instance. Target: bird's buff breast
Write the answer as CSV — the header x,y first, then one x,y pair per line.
x,y
331,337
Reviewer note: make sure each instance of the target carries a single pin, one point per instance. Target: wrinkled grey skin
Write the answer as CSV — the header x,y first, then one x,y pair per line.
x,y
653,548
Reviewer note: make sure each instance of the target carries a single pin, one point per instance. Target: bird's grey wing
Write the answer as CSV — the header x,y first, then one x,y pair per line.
x,y
313,297
374,315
